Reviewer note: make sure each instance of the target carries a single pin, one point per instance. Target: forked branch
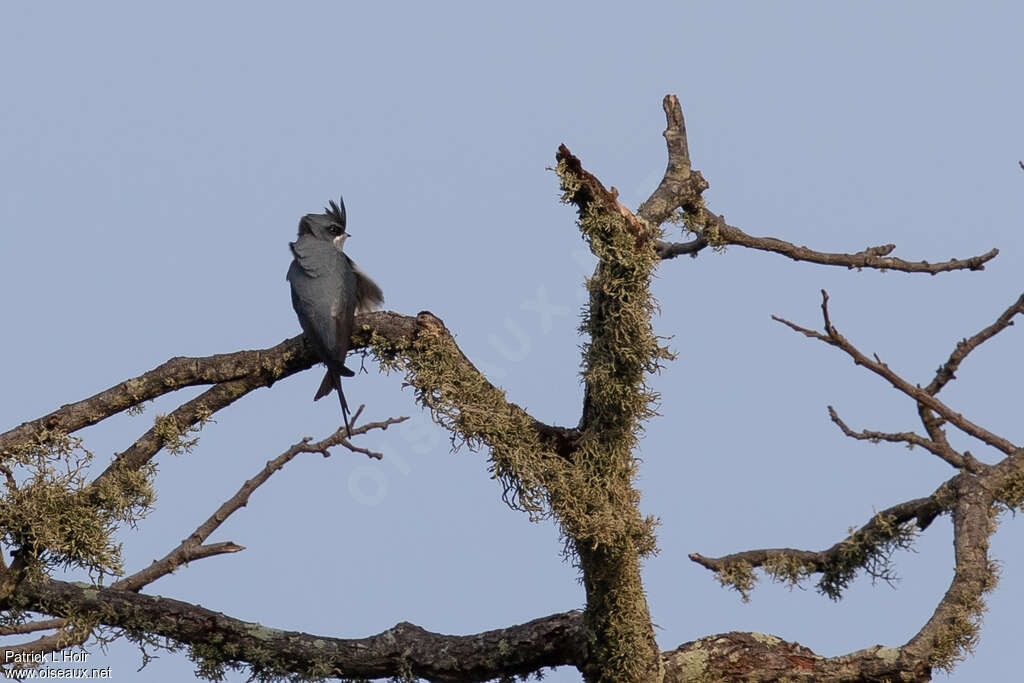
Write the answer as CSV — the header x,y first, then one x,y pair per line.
x,y
832,337
681,188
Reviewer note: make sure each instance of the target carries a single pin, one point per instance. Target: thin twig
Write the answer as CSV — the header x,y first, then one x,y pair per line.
x,y
947,371
192,548
871,257
32,626
941,449
833,338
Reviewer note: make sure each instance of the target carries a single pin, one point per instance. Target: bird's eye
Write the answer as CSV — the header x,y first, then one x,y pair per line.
x,y
335,230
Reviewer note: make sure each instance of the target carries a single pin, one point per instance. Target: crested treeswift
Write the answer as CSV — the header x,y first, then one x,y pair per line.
x,y
328,289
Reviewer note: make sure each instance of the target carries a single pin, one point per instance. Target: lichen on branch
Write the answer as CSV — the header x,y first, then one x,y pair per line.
x,y
475,412
51,516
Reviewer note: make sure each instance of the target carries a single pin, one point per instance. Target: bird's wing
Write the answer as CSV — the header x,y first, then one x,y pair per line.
x,y
368,295
307,254
343,334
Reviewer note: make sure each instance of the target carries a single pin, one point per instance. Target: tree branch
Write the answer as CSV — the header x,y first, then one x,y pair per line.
x,y
32,626
947,371
192,548
251,369
234,375
682,187
717,231
952,630
940,448
833,338
760,658
668,250
600,512
868,547
679,186
400,651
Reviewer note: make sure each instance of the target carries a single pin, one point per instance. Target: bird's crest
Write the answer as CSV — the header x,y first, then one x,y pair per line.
x,y
336,211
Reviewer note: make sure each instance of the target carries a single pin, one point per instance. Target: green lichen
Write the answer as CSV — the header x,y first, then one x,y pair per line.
x,y
739,576
694,220
48,511
788,570
476,413
962,624
766,638
692,664
870,549
275,366
177,439
1011,493
889,655
134,390
213,662
598,506
619,352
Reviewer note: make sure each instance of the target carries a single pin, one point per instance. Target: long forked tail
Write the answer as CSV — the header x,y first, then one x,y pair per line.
x,y
332,380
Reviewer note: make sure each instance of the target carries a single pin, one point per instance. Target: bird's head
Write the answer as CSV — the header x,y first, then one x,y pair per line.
x,y
328,226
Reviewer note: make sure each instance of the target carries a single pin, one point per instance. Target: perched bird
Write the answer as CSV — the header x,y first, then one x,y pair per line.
x,y
327,291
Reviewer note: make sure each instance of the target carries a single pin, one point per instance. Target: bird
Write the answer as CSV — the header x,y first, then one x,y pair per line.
x,y
328,289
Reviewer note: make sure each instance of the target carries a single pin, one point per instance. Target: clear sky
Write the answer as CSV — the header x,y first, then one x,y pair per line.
x,y
155,161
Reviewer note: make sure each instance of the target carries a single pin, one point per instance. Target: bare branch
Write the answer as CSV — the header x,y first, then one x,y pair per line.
x,y
941,449
948,369
192,548
251,369
32,626
680,186
833,338
667,250
186,552
717,231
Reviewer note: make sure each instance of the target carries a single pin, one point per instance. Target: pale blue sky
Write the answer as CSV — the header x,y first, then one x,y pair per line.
x,y
155,162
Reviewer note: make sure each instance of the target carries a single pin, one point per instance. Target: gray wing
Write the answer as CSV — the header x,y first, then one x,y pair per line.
x,y
343,334
368,295
321,291
309,256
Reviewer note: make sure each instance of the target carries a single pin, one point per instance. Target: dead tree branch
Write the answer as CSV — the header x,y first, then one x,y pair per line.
x,y
832,337
682,188
940,448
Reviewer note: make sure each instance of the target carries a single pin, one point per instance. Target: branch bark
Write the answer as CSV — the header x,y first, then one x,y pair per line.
x,y
398,652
